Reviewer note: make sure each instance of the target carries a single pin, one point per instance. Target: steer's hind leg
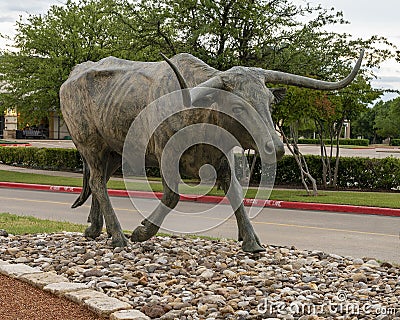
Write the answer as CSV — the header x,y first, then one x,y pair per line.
x,y
151,224
98,163
95,217
233,191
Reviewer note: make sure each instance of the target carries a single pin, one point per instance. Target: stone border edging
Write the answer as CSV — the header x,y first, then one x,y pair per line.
x,y
80,293
217,199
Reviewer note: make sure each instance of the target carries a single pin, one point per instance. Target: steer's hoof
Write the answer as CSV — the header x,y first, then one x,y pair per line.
x,y
144,232
92,233
252,246
140,234
120,241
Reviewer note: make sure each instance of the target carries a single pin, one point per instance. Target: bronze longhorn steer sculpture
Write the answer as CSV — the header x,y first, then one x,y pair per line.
x,y
100,100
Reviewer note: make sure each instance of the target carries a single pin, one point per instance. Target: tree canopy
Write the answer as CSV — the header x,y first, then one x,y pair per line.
x,y
378,122
47,47
262,33
387,118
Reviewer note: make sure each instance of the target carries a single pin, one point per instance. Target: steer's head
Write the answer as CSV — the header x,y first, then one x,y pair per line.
x,y
250,101
250,104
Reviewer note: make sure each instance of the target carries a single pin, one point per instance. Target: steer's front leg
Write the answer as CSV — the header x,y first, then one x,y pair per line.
x,y
251,242
152,224
233,191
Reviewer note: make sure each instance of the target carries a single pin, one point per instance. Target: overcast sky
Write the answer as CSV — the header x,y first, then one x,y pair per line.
x,y
367,18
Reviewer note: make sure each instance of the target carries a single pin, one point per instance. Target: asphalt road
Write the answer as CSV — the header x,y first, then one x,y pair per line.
x,y
338,233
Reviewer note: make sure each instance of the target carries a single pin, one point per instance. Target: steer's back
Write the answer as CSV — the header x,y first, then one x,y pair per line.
x,y
101,100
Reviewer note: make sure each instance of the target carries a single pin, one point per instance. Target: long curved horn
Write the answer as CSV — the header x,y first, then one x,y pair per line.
x,y
276,77
187,101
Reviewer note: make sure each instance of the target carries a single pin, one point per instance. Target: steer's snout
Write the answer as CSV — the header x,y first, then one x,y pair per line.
x,y
279,149
275,146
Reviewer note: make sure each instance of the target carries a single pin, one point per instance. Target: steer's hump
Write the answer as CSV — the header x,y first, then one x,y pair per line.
x,y
108,67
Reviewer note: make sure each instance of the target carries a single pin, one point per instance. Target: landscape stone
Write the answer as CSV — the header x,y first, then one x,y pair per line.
x,y
372,263
176,290
104,306
155,310
3,233
358,261
22,260
42,279
359,277
207,274
82,295
17,270
128,315
63,287
93,273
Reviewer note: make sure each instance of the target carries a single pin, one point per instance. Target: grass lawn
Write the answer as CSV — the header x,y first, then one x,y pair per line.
x,y
377,199
23,224
372,199
19,225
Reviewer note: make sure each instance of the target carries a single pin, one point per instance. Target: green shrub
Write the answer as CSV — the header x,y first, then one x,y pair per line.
x,y
395,142
43,158
354,172
308,141
366,173
343,142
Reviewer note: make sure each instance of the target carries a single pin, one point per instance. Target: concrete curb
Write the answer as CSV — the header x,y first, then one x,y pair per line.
x,y
222,200
15,145
96,301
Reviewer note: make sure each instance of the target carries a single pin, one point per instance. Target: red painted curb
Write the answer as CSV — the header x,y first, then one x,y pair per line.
x,y
15,145
216,199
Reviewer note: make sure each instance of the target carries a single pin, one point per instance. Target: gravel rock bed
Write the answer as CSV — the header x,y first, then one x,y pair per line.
x,y
184,278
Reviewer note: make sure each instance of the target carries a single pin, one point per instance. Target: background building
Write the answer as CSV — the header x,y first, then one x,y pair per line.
x,y
1,126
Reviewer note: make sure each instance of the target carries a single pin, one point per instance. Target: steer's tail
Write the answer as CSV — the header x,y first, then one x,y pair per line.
x,y
85,193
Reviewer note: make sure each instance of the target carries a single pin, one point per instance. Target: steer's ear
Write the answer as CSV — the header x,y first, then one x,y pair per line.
x,y
203,100
279,94
208,92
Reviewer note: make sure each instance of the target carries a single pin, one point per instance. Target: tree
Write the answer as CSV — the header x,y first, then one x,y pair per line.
x,y
363,126
269,34
291,115
223,33
48,46
329,111
387,119
379,122
261,33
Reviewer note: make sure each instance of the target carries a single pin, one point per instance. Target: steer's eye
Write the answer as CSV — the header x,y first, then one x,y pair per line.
x,y
237,110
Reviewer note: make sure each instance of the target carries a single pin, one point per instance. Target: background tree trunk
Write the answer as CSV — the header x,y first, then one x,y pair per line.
x,y
301,162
